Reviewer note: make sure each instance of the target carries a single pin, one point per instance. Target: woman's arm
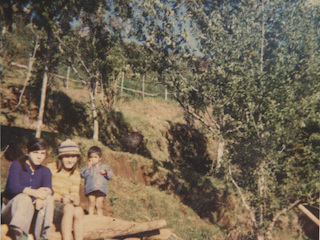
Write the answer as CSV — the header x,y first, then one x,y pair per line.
x,y
41,193
14,185
75,189
47,179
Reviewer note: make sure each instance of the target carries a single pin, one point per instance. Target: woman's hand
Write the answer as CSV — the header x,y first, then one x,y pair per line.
x,y
39,203
69,199
66,199
41,193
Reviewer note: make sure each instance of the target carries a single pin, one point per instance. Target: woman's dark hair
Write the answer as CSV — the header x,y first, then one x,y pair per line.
x,y
95,149
60,164
34,144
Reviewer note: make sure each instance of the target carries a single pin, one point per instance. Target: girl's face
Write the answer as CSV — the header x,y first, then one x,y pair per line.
x,y
37,157
94,158
68,161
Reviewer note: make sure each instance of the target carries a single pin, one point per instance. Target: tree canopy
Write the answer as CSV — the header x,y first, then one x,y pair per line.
x,y
248,71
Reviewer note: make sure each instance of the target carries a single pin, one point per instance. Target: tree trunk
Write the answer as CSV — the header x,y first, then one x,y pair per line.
x,y
108,227
94,114
103,227
221,146
42,102
44,86
262,37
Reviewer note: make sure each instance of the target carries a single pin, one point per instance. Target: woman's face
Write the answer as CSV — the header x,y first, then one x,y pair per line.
x,y
68,161
37,157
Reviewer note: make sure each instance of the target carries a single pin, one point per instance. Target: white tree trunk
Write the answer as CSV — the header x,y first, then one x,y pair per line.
x,y
42,101
221,146
95,115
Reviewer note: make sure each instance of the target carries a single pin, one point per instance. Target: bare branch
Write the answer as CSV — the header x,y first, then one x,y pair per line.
x,y
28,77
3,152
275,218
196,116
253,218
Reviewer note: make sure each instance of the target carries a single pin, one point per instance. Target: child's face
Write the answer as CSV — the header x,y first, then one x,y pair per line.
x,y
68,161
94,158
37,157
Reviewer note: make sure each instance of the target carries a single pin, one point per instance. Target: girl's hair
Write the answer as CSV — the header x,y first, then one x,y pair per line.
x,y
95,149
60,164
34,144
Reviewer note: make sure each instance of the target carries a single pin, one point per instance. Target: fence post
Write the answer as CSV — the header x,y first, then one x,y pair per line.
x,y
143,79
166,94
122,80
68,77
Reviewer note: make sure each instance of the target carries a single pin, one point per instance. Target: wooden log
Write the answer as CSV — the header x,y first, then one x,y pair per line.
x,y
95,227
309,214
108,227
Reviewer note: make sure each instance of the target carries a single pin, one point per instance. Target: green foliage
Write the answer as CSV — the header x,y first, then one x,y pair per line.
x,y
259,93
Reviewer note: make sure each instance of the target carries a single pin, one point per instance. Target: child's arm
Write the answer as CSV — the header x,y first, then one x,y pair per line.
x,y
86,170
106,172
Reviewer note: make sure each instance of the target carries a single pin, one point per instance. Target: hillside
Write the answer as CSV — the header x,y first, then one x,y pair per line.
x,y
164,177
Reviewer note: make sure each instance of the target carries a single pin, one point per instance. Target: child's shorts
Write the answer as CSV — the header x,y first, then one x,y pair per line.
x,y
96,193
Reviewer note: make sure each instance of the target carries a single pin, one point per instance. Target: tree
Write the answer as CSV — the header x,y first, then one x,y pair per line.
x,y
49,19
95,57
258,94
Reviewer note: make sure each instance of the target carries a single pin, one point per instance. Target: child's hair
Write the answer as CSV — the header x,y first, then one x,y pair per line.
x,y
95,149
34,144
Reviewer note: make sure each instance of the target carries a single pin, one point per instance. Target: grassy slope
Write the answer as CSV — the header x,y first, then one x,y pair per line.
x,y
134,192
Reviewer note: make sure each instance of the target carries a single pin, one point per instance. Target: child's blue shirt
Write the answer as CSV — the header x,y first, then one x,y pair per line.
x,y
94,180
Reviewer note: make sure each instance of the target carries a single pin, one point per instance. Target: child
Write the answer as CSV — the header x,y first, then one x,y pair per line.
x,y
96,175
66,185
28,194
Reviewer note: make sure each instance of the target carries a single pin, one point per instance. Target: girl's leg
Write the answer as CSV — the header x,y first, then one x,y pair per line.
x,y
18,213
66,222
78,223
92,199
44,219
99,204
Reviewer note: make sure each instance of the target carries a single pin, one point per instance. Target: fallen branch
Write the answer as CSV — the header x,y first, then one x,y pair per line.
x,y
19,65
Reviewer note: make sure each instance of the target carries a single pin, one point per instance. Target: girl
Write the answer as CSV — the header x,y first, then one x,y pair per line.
x,y
96,175
66,185
28,194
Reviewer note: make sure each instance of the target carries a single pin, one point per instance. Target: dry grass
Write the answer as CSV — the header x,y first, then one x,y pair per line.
x,y
129,198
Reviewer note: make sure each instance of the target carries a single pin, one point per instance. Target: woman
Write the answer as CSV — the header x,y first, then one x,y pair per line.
x,y
28,194
66,185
